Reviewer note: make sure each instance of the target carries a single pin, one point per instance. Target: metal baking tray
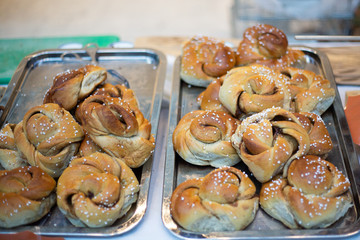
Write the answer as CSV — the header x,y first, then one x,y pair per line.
x,y
343,156
144,69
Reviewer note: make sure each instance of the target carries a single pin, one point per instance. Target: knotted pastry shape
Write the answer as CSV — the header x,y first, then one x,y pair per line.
x,y
74,85
320,140
309,92
268,141
26,195
266,45
96,190
203,138
223,200
118,129
118,91
315,194
88,146
251,89
10,157
204,59
209,98
48,137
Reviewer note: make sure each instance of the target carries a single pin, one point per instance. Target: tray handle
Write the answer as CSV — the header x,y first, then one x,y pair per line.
x,y
91,49
70,56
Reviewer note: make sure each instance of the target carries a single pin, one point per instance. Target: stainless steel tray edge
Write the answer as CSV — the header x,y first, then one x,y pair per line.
x,y
349,153
141,204
170,154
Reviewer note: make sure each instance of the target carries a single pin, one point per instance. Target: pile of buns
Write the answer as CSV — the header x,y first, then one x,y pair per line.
x,y
260,108
77,151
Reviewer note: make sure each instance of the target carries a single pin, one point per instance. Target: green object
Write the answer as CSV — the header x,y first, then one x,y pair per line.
x,y
12,51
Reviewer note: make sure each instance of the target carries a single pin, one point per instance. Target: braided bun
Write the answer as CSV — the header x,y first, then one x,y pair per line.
x,y
266,45
315,194
71,86
251,89
26,195
223,200
204,59
203,138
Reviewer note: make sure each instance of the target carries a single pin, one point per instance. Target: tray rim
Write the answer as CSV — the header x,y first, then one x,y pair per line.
x,y
144,182
353,170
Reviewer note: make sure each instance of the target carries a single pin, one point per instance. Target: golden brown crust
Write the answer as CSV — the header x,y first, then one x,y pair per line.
x,y
268,141
266,45
96,190
88,146
223,200
10,157
315,194
251,89
74,85
209,98
320,140
309,92
48,137
273,201
118,91
26,195
203,138
204,59
118,129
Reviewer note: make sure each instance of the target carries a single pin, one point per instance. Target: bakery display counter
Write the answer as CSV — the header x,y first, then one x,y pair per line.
x,y
149,218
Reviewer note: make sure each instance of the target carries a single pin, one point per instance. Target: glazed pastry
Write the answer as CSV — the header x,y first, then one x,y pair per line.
x,y
309,92
96,190
10,157
204,59
315,194
115,91
118,91
118,129
88,146
209,98
320,140
203,138
268,141
26,195
48,137
251,89
223,200
74,85
267,45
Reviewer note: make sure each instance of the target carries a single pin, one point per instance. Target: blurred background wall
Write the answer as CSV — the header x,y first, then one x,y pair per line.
x,y
127,19
132,19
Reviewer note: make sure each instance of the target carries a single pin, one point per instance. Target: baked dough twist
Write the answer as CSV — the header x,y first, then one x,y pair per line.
x,y
118,129
96,190
320,140
251,89
266,45
10,157
118,91
26,195
203,138
209,98
309,92
204,59
315,194
223,200
74,85
88,146
268,141
48,137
